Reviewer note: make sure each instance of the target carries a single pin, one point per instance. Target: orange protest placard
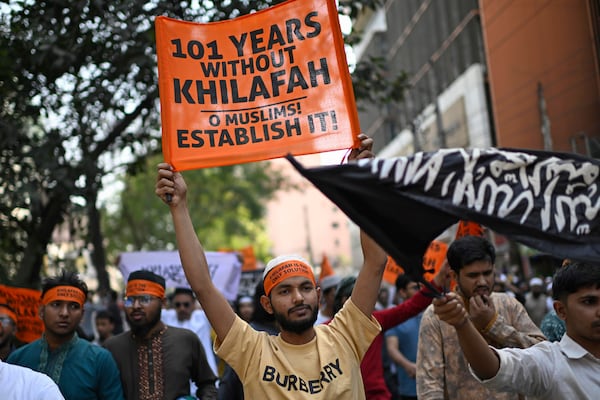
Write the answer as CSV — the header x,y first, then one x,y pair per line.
x,y
467,228
392,270
249,259
434,257
255,87
25,302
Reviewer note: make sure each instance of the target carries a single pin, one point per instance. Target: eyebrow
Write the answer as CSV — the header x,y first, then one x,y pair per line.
x,y
487,271
289,285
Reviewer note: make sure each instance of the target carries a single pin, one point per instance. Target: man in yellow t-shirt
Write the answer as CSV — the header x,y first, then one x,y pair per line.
x,y
303,361
324,367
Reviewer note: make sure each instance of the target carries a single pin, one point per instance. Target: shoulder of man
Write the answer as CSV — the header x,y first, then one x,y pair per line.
x,y
182,333
116,340
21,352
505,299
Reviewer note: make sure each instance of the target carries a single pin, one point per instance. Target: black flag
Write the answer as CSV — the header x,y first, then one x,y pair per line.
x,y
545,200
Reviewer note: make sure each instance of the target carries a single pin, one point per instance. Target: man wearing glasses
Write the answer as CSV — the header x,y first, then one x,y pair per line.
x,y
157,361
185,314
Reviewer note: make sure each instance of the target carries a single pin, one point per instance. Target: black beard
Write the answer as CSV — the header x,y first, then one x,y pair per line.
x,y
141,331
296,326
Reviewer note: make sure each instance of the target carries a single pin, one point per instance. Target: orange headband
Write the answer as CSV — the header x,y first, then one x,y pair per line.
x,y
9,313
285,270
64,293
138,287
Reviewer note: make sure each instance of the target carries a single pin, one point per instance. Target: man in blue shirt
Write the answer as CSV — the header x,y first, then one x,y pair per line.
x,y
401,343
81,370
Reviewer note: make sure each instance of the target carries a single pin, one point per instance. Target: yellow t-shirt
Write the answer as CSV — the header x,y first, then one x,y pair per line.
x,y
328,367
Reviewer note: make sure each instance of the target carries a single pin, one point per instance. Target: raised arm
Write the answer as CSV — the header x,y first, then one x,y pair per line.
x,y
366,289
217,309
364,294
483,360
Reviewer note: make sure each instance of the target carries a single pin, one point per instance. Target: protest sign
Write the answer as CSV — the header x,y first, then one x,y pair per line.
x,y
434,257
468,228
392,270
248,282
224,268
255,87
25,303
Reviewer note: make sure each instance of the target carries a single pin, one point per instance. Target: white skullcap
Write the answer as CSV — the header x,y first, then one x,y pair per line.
x,y
536,282
329,282
281,259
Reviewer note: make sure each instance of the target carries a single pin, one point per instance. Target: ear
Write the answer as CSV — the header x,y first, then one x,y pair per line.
x,y
41,312
561,309
163,302
319,294
265,302
454,275
402,293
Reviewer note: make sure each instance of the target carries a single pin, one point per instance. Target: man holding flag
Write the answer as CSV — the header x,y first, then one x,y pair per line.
x,y
442,370
304,361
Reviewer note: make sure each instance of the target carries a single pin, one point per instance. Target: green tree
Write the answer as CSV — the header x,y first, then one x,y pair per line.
x,y
78,91
227,205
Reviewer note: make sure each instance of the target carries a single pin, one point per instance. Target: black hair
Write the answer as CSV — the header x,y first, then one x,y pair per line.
x,y
182,290
260,314
66,278
105,314
402,281
344,290
572,276
469,249
147,276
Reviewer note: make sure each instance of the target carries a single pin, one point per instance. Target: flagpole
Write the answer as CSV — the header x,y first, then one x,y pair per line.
x,y
308,242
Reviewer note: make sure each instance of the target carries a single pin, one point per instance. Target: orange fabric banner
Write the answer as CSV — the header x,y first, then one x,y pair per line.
x,y
432,262
249,259
255,87
392,270
434,257
25,302
326,268
466,228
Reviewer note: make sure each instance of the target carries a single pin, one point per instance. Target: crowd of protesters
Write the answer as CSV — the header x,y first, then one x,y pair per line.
x,y
295,337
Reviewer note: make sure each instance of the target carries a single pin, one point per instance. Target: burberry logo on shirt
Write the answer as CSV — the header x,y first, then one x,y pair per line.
x,y
296,383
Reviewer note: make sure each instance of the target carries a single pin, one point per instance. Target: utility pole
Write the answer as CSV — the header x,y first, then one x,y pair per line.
x,y
435,92
545,119
415,124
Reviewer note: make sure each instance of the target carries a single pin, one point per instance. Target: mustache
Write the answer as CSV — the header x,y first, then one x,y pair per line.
x,y
300,307
596,324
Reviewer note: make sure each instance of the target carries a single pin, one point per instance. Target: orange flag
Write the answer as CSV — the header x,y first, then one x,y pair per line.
x,y
249,259
255,87
434,258
326,268
432,262
392,270
466,228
